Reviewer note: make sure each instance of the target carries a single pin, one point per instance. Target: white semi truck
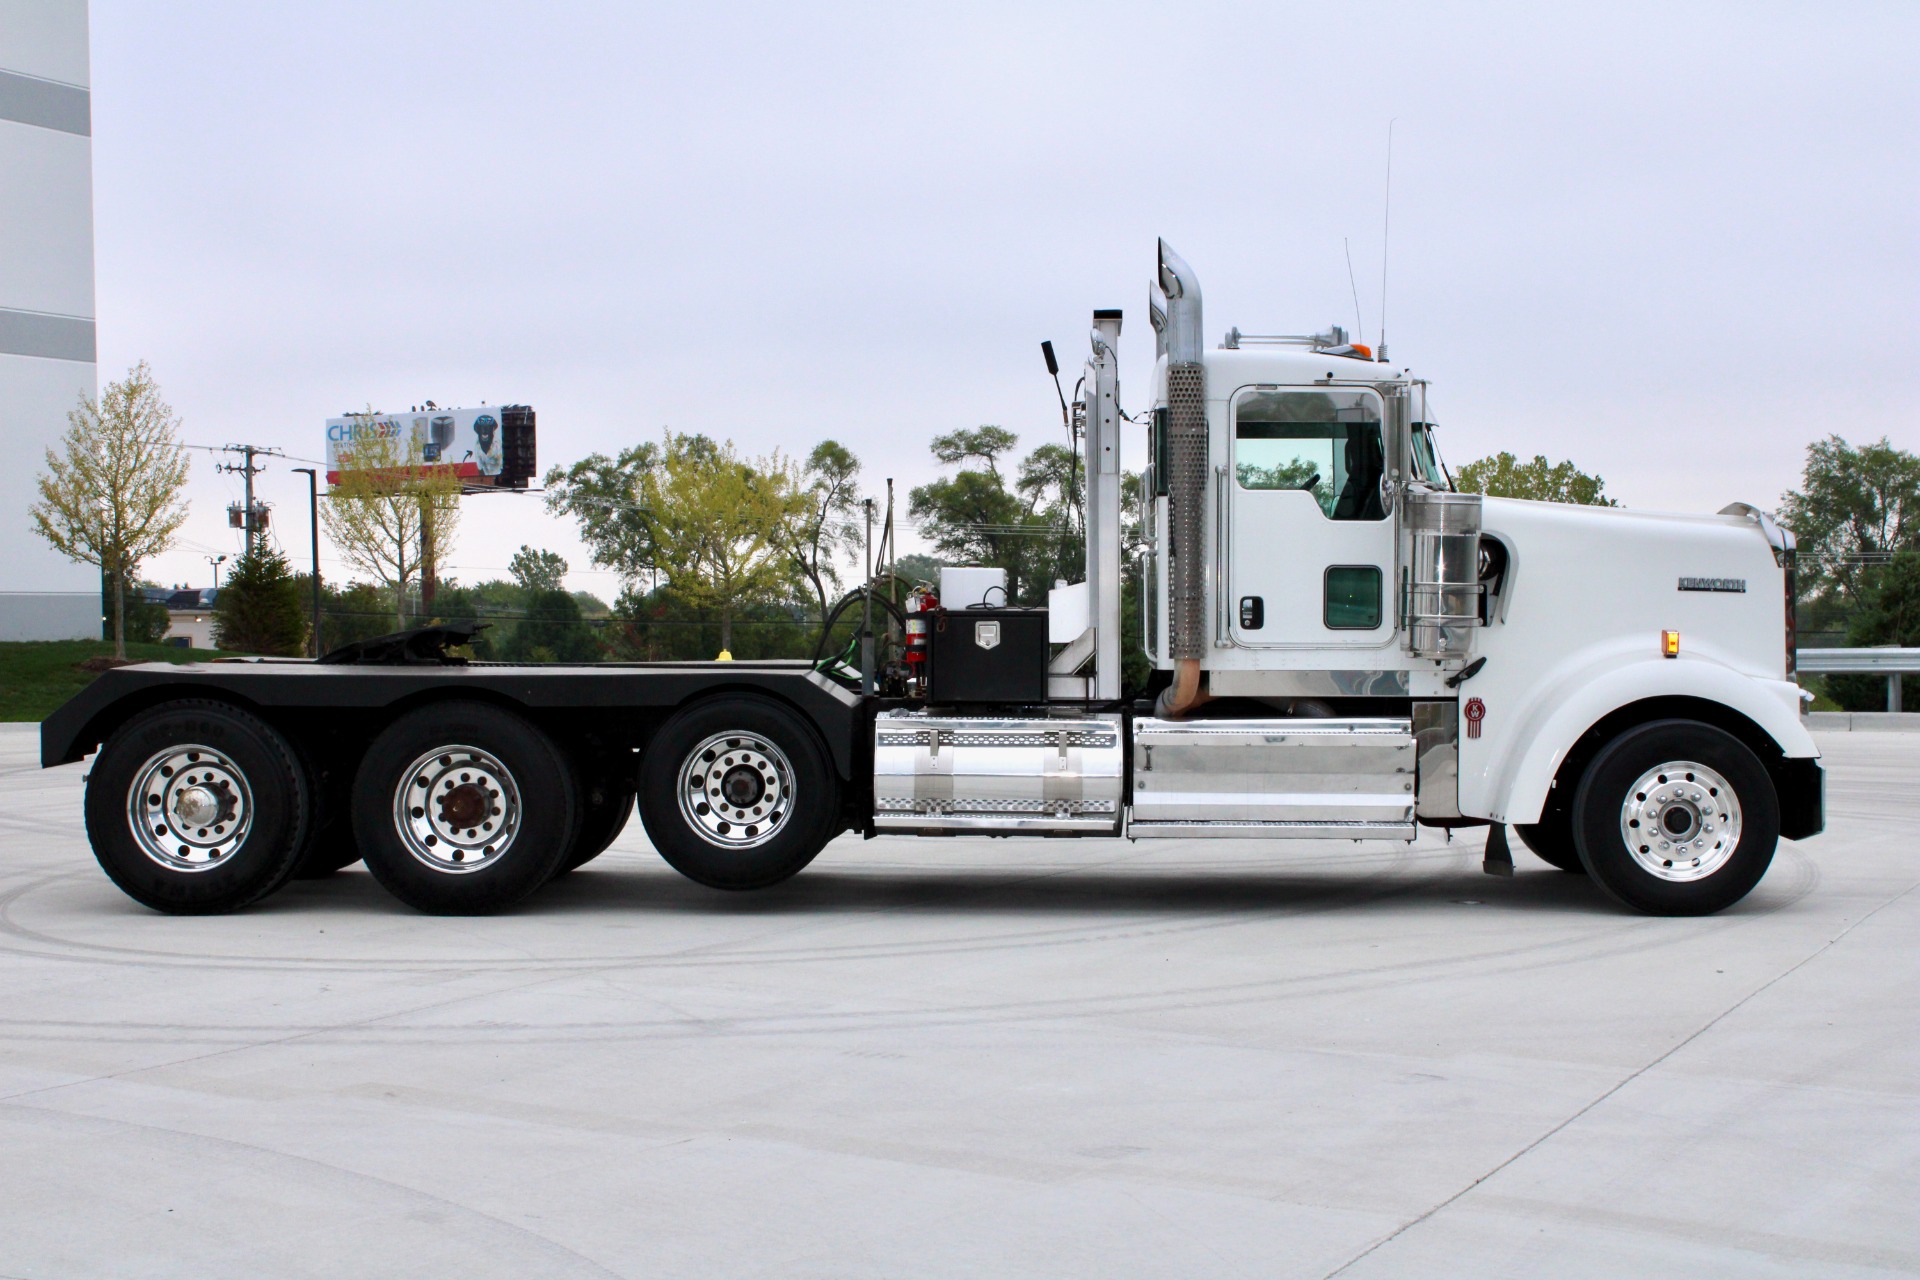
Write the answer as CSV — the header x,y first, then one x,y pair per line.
x,y
1344,648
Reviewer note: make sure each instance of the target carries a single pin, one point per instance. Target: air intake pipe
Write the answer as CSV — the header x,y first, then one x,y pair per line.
x,y
1187,457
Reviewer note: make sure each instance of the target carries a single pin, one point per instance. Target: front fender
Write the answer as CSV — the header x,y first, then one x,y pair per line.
x,y
1506,775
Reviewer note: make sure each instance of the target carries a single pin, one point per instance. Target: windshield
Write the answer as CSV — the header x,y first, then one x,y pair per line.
x,y
1426,457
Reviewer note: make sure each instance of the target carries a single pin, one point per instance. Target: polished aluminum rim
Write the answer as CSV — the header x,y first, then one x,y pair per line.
x,y
189,807
1681,821
736,790
457,809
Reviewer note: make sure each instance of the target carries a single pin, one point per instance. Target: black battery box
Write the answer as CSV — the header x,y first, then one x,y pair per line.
x,y
988,655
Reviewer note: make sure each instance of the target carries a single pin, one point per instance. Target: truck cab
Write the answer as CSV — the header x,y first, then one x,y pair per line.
x,y
1339,576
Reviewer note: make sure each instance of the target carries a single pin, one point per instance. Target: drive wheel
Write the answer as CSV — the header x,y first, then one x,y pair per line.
x,y
463,809
1551,839
330,845
738,793
606,807
1676,818
332,850
196,808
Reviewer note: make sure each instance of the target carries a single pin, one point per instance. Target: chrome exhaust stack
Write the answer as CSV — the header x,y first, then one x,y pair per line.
x,y
1187,456
1103,502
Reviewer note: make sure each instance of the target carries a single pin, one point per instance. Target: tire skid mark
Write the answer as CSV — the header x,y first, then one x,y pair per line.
x,y
206,1142
1624,938
1318,898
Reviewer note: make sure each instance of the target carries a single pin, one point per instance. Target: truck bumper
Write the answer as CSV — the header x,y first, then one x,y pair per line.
x,y
1802,787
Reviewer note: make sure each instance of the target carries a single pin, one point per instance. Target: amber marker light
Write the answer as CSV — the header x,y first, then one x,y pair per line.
x,y
1670,644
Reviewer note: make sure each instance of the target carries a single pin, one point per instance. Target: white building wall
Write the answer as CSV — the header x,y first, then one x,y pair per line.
x,y
47,351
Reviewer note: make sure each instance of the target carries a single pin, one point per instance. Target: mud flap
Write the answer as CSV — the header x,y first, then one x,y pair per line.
x,y
1499,858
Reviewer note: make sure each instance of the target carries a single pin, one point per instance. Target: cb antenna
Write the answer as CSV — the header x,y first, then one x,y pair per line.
x,y
1359,325
1386,225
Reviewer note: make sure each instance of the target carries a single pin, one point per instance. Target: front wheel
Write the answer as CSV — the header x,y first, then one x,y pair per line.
x,y
738,793
1676,818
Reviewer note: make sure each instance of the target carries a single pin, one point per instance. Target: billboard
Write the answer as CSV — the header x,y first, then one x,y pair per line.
x,y
488,447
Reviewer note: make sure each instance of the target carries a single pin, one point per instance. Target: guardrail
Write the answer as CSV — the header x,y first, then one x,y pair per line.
x,y
1889,662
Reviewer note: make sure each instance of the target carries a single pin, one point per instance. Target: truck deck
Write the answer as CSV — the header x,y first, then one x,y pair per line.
x,y
621,699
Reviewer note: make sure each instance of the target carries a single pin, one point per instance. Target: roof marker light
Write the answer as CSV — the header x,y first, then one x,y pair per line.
x,y
1670,644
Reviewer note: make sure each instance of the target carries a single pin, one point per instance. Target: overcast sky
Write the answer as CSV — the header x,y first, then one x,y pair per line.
x,y
1671,242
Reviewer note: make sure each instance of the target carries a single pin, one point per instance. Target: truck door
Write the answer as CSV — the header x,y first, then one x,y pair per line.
x,y
1310,543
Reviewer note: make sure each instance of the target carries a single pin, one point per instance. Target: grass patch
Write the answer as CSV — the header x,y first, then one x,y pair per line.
x,y
37,676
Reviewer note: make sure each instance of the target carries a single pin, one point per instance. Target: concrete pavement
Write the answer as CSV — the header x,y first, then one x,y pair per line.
x,y
973,1058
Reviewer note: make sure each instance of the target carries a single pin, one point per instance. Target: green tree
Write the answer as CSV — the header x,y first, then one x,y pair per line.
x,y
823,530
985,443
144,621
1504,476
1889,613
1053,485
537,570
692,512
113,497
1856,508
662,626
357,611
260,609
552,631
917,568
606,498
972,518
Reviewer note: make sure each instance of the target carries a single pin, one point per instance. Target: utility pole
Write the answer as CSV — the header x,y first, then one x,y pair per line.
x,y
253,517
866,610
428,587
313,513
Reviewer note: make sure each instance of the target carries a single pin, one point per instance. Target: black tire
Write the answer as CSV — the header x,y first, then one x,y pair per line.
x,y
1551,839
1676,869
501,809
605,806
330,845
252,787
791,789
331,850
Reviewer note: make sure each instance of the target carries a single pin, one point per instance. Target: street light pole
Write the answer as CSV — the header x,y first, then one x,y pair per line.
x,y
216,562
313,514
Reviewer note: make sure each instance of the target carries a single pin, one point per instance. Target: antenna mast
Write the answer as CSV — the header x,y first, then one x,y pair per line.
x,y
1359,325
1386,225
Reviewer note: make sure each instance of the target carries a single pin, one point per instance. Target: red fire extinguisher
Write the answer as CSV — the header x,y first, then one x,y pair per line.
x,y
921,603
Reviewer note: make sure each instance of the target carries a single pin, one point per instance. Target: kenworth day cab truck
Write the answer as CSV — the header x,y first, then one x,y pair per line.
x,y
1343,648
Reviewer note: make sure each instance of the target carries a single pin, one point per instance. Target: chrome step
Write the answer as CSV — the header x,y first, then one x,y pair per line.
x,y
1274,779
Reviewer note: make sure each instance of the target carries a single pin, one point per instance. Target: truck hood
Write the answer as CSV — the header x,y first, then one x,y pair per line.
x,y
1584,575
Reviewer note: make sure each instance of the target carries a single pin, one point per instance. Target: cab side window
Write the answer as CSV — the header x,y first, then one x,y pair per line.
x,y
1326,443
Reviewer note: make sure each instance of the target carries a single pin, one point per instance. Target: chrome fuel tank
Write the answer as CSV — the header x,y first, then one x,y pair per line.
x,y
1032,776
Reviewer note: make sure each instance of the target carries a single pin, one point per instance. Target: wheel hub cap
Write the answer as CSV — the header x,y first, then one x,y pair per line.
x,y
189,808
457,809
1681,821
736,790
